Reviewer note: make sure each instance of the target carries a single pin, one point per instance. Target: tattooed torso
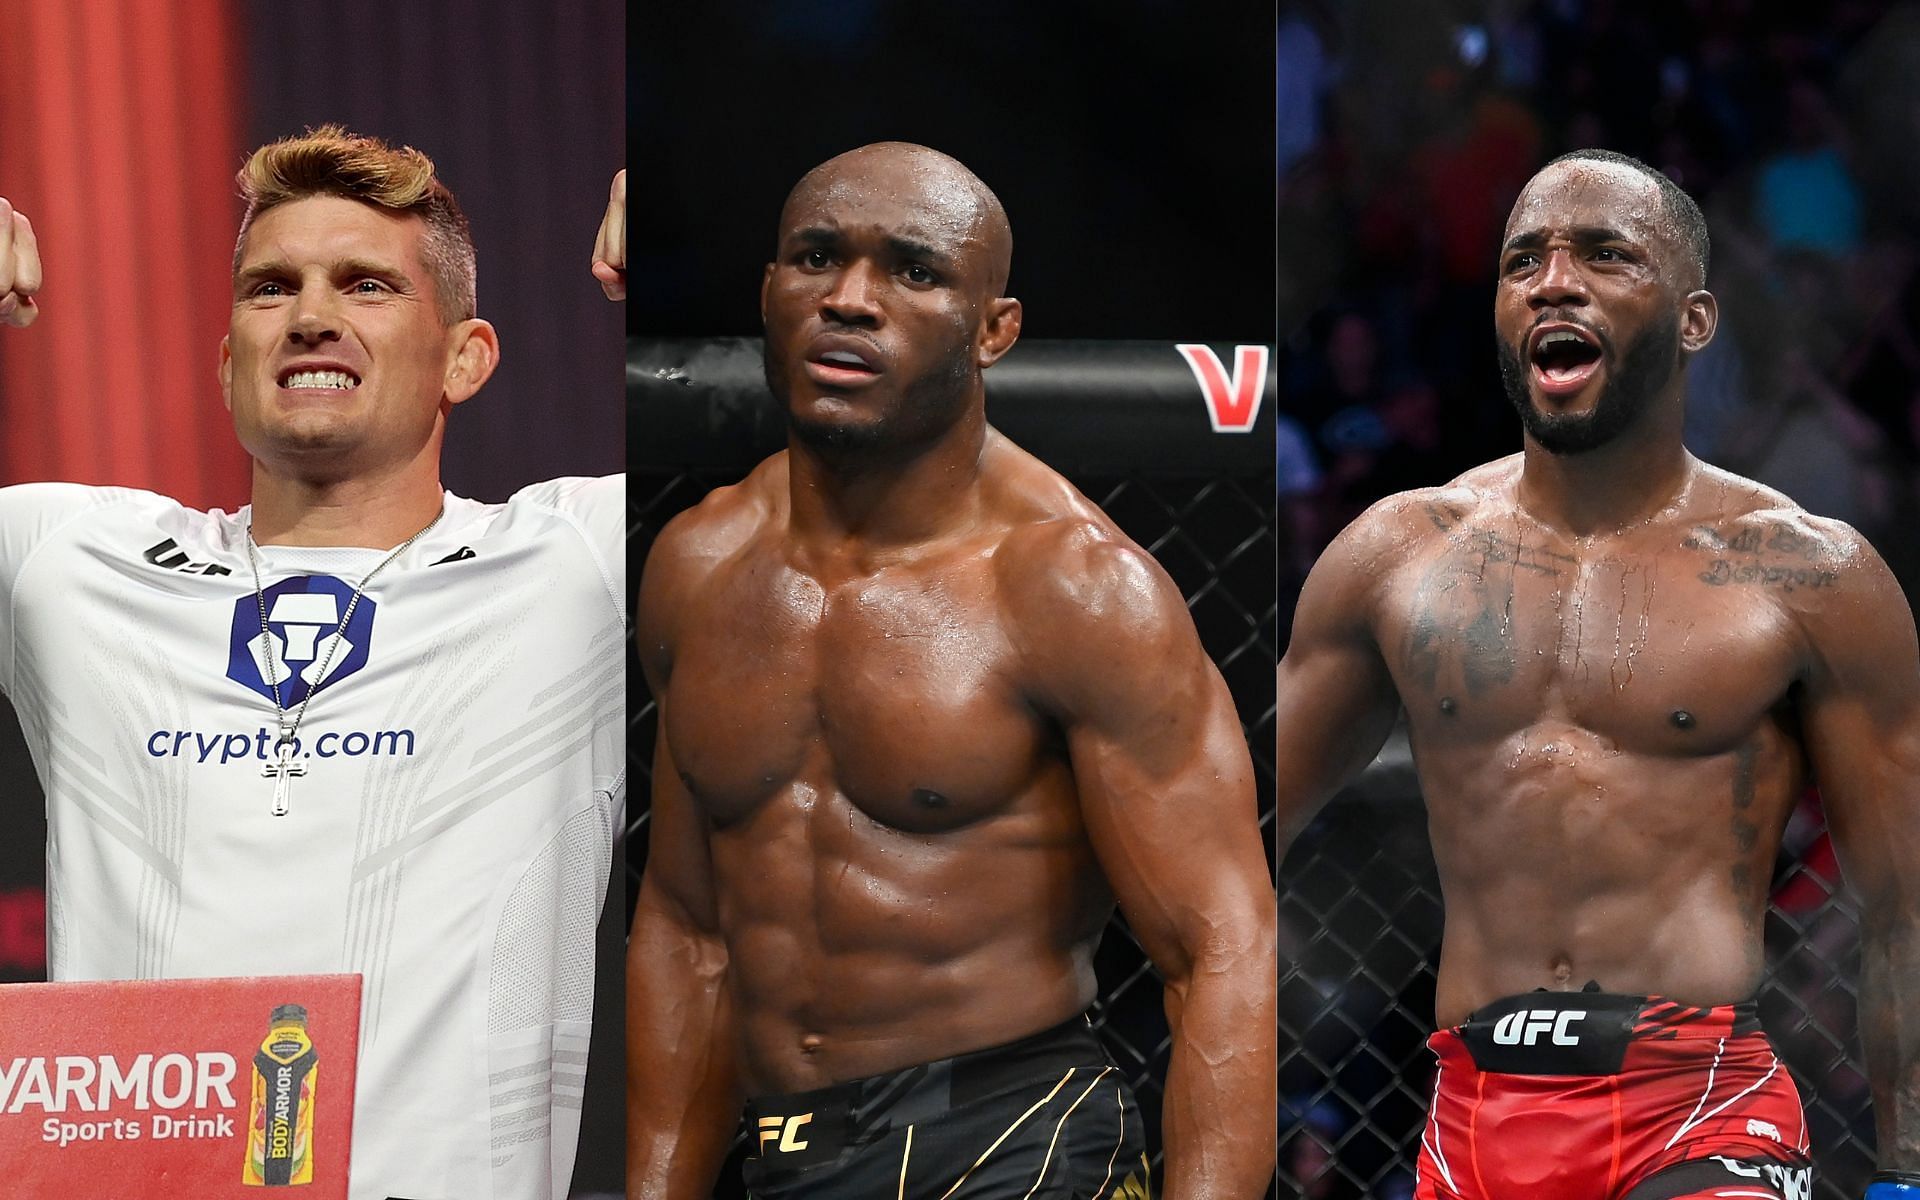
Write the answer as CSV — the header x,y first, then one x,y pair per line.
x,y
1605,732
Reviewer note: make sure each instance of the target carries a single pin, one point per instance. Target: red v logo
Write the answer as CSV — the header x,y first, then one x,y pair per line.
x,y
1232,404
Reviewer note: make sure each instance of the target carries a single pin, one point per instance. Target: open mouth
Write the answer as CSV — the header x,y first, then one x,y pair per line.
x,y
1564,358
841,368
319,380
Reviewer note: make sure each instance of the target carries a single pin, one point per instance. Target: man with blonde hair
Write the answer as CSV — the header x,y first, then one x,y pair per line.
x,y
361,724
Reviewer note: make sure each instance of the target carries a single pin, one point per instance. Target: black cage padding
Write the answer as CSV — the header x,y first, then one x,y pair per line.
x,y
1094,407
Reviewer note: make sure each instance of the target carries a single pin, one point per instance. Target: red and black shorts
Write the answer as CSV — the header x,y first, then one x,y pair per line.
x,y
1591,1096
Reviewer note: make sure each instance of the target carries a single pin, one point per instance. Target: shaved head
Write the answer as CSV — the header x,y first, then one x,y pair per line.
x,y
952,201
886,299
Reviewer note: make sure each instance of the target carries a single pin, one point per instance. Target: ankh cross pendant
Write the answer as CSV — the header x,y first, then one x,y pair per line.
x,y
281,772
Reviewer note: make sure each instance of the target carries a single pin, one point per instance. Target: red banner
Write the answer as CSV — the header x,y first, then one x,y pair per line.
x,y
208,1089
119,138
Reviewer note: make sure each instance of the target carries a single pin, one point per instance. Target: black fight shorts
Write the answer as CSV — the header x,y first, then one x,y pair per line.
x,y
1047,1118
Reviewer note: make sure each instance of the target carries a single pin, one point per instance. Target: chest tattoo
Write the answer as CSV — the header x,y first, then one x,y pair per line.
x,y
1463,607
1778,557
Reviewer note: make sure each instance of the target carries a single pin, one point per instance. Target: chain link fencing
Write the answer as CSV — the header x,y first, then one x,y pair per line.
x,y
1360,915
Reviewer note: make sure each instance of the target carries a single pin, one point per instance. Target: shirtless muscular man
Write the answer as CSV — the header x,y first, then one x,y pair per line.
x,y
925,716
1619,666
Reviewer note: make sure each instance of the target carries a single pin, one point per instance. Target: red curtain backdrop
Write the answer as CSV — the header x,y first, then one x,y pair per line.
x,y
119,138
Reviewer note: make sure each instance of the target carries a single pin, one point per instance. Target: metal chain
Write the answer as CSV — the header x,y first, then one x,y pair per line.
x,y
289,733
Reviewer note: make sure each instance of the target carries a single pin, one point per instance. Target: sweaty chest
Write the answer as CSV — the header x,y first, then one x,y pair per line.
x,y
1649,648
896,691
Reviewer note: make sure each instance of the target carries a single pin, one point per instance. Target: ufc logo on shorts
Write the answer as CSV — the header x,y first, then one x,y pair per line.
x,y
784,1131
1524,1028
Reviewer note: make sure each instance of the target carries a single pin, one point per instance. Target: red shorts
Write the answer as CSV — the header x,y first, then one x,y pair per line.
x,y
1591,1096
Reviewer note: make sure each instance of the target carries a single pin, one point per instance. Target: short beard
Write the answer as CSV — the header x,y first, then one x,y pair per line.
x,y
927,407
1646,367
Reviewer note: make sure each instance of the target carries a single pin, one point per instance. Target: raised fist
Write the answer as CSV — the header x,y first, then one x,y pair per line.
x,y
610,248
20,263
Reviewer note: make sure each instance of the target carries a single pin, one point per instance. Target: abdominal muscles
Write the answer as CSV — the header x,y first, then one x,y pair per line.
x,y
857,947
1565,860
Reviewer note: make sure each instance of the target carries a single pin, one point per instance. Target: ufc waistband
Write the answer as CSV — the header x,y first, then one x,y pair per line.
x,y
829,1119
1592,1096
1049,1109
1588,1033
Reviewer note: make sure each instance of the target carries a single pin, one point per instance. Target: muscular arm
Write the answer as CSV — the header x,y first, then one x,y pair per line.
x,y
1861,714
1166,792
683,1095
1335,702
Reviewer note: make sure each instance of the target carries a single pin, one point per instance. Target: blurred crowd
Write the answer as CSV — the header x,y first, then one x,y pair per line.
x,y
1405,133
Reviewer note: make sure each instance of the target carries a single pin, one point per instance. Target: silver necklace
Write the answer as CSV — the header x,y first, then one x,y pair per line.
x,y
283,769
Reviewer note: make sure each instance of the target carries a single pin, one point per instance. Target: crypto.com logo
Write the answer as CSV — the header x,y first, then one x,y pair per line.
x,y
303,614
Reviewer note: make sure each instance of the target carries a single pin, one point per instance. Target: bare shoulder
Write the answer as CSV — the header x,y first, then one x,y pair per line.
x,y
1493,478
694,544
724,519
1729,501
1085,606
1748,534
1060,556
1847,605
1408,525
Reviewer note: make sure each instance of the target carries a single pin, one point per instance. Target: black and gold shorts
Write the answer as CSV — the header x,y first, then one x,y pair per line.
x,y
1048,1117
